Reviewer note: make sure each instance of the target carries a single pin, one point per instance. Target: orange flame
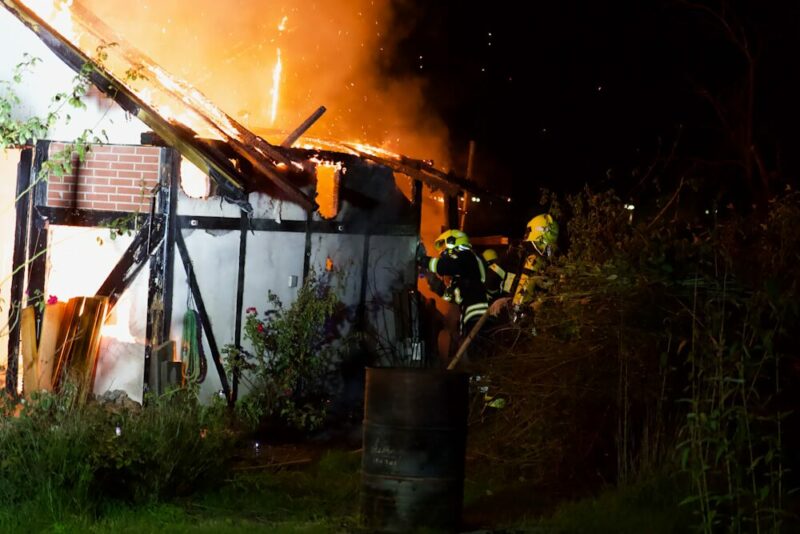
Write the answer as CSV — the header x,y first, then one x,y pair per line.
x,y
275,92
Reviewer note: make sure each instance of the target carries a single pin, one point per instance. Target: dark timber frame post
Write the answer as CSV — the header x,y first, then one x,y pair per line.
x,y
37,236
237,334
17,264
159,291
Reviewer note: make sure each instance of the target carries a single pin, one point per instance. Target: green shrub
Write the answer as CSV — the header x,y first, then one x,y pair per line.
x,y
291,351
72,459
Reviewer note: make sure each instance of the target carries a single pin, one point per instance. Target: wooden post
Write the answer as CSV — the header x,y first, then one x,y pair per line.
x,y
300,130
470,161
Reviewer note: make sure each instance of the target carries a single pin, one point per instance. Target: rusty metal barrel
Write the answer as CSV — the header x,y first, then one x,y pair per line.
x,y
415,429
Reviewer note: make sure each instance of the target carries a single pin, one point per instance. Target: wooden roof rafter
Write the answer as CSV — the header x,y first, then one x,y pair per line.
x,y
249,146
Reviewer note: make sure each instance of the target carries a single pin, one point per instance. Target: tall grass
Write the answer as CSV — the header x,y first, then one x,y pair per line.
x,y
62,458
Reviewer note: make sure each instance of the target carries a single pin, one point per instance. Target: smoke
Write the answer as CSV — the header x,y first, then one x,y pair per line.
x,y
331,53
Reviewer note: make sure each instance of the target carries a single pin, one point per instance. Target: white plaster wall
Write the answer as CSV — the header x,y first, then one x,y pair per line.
x,y
272,257
211,207
215,263
266,207
52,76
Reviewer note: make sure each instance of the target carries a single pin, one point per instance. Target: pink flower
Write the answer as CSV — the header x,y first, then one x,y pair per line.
x,y
251,310
52,299
260,327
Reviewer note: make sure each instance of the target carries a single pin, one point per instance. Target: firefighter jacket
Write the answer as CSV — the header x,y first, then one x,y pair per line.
x,y
496,280
468,276
526,265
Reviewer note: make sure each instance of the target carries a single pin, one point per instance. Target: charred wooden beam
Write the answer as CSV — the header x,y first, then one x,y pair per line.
x,y
133,259
448,183
38,234
433,181
159,293
88,218
314,227
170,178
303,128
201,311
18,267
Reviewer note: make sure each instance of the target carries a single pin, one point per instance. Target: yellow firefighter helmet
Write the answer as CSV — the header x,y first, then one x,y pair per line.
x,y
489,255
542,232
451,239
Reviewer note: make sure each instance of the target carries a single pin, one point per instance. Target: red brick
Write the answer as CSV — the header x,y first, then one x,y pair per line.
x,y
150,175
58,187
121,198
123,166
103,206
146,167
105,173
150,159
95,181
103,157
60,203
91,164
131,159
131,191
130,174
150,150
104,189
101,149
96,197
119,149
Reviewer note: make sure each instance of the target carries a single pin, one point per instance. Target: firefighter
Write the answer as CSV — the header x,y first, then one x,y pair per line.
x,y
539,243
529,260
466,271
495,274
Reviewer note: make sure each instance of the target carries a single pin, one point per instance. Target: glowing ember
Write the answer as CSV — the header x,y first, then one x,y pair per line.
x,y
275,92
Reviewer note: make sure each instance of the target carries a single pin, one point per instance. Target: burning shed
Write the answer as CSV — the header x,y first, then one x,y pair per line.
x,y
264,215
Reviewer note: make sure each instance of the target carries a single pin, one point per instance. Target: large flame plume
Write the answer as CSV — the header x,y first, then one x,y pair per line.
x,y
330,54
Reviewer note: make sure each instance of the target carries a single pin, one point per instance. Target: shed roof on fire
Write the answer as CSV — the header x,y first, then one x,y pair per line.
x,y
238,160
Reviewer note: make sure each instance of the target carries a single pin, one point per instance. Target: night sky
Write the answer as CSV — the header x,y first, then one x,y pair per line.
x,y
599,88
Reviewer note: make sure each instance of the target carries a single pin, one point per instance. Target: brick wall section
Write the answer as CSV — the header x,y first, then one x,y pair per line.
x,y
112,178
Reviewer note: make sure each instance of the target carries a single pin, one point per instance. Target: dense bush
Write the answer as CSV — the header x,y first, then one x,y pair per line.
x,y
665,344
